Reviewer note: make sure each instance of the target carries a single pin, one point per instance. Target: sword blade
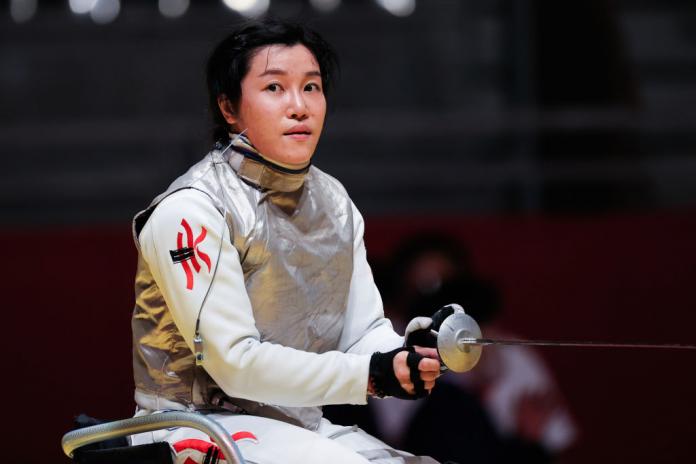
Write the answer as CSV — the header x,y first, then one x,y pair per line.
x,y
578,344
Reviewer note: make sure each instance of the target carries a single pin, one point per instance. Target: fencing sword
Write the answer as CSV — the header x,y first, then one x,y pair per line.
x,y
460,342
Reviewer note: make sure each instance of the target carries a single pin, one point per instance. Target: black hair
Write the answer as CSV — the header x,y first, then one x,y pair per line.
x,y
229,61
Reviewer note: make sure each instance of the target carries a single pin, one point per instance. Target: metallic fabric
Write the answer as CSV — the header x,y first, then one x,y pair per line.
x,y
296,251
160,343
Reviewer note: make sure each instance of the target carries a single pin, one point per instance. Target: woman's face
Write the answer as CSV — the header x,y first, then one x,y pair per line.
x,y
282,106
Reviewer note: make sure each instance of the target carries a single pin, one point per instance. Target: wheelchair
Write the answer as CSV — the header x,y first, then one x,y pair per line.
x,y
76,442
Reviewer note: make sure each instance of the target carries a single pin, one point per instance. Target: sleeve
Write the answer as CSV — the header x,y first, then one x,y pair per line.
x,y
186,224
365,330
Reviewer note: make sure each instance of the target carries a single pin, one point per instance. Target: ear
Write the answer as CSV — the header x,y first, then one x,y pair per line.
x,y
226,109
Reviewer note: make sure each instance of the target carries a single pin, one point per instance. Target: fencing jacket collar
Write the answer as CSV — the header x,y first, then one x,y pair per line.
x,y
255,169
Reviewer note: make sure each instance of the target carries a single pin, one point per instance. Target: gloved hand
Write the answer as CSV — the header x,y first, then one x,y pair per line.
x,y
418,330
383,378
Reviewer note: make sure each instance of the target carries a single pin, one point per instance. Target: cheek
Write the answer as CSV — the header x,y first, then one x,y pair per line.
x,y
320,108
256,116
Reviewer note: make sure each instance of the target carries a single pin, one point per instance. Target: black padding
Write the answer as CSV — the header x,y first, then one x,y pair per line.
x,y
423,337
440,315
154,453
384,381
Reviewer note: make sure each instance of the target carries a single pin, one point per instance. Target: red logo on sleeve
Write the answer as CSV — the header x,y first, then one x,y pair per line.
x,y
195,450
189,255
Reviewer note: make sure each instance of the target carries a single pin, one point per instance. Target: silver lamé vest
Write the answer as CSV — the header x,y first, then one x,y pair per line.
x,y
294,234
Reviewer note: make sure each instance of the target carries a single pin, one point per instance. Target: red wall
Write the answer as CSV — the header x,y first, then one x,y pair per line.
x,y
627,278
68,296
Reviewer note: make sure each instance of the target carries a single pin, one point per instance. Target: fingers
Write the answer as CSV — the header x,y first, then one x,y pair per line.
x,y
429,371
408,387
429,376
402,372
401,368
427,352
429,365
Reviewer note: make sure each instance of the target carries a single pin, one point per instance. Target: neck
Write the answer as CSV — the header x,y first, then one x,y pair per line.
x,y
265,173
293,166
249,146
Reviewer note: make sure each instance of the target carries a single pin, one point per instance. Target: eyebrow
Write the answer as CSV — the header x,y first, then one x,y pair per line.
x,y
275,71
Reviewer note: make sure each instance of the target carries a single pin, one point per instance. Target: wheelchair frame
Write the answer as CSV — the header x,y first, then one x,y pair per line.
x,y
85,436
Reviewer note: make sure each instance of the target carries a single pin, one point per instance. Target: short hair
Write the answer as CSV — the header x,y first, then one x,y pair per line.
x,y
228,64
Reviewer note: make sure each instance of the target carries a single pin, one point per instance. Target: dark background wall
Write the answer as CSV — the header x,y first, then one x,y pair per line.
x,y
622,278
555,139
470,106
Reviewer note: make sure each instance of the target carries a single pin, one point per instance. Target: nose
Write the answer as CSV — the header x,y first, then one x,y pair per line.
x,y
297,106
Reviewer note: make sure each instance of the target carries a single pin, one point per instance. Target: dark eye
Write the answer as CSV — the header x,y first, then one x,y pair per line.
x,y
273,87
312,87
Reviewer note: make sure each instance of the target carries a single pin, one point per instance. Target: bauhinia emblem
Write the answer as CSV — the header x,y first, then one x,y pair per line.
x,y
195,450
189,255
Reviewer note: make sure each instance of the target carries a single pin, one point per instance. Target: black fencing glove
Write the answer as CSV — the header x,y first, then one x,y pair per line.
x,y
383,378
418,330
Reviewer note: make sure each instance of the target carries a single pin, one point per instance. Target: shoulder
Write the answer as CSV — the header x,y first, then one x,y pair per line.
x,y
185,200
333,188
327,181
182,210
183,221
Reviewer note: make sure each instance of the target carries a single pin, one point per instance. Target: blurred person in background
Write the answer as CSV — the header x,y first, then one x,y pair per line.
x,y
419,266
507,409
513,383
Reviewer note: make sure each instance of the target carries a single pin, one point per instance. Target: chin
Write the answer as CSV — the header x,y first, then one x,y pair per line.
x,y
299,159
296,156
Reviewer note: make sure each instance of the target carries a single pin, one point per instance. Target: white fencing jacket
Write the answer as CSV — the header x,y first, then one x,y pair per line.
x,y
291,313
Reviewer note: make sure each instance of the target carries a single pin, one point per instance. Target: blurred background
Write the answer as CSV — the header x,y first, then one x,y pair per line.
x,y
549,145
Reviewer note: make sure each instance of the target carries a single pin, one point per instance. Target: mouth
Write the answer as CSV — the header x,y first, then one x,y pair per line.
x,y
299,132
